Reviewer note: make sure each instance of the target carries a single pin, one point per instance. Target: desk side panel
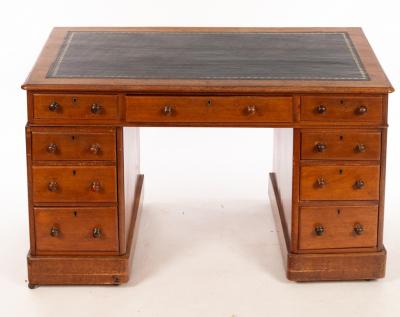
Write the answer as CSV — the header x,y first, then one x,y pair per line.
x,y
283,169
128,170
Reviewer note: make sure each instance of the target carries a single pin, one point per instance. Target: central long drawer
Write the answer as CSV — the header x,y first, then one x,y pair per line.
x,y
239,109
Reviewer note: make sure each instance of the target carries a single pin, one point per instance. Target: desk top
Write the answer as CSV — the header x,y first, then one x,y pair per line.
x,y
208,60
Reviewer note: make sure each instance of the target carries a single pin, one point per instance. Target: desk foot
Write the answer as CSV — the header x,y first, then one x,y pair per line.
x,y
86,269
303,267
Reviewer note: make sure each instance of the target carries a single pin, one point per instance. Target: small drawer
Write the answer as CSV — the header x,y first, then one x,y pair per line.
x,y
74,184
165,109
340,145
335,227
81,229
339,182
360,110
73,144
76,107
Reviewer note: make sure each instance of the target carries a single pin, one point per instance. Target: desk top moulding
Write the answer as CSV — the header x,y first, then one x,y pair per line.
x,y
208,60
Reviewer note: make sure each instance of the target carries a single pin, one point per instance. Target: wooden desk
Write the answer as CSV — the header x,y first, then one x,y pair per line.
x,y
92,88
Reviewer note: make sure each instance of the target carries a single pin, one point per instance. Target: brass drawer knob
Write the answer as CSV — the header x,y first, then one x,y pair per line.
x,y
54,231
95,108
52,148
321,109
359,184
251,110
168,110
320,182
359,148
319,230
52,186
320,147
54,106
95,148
358,229
96,233
95,186
361,110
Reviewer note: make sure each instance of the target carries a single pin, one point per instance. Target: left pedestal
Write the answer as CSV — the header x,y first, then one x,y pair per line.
x,y
84,204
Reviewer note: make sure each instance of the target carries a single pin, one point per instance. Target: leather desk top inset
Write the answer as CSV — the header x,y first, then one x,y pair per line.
x,y
202,55
208,60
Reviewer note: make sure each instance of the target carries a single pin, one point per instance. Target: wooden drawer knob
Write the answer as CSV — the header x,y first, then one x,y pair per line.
x,y
321,109
52,186
54,106
320,182
358,229
95,108
168,110
251,110
54,231
359,148
96,233
52,148
95,148
319,230
320,147
359,184
95,186
361,110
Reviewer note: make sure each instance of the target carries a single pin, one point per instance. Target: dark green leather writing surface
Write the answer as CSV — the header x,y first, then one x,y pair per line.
x,y
202,55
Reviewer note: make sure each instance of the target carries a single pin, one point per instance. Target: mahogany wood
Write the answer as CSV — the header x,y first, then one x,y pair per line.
x,y
75,106
73,144
339,182
342,108
74,184
325,266
76,230
209,109
339,224
329,145
88,269
341,145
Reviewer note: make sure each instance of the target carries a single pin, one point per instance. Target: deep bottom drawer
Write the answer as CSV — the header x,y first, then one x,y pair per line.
x,y
328,227
83,229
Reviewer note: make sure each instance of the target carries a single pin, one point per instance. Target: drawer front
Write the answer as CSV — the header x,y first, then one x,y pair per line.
x,y
208,109
74,184
77,107
73,144
341,145
330,227
339,182
76,229
360,110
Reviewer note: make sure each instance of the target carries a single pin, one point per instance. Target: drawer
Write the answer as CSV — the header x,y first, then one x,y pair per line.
x,y
73,144
346,109
80,229
339,182
208,109
328,227
77,107
341,145
74,184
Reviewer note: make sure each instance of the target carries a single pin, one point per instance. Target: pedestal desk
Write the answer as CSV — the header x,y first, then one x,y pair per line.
x,y
91,89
